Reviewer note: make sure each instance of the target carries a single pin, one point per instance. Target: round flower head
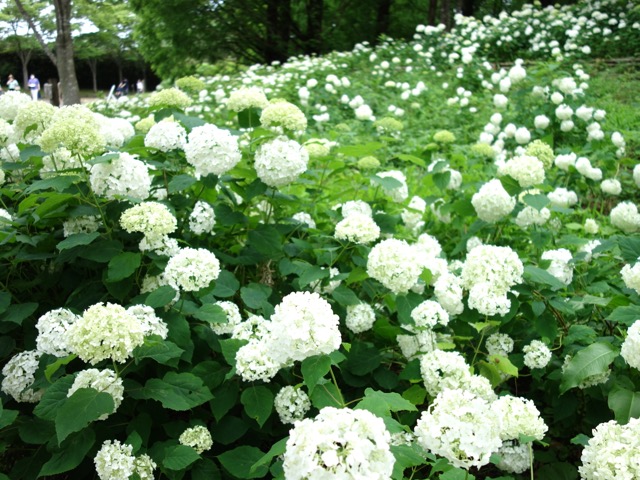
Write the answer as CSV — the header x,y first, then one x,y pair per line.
x,y
149,218
144,125
192,269
103,381
144,467
612,452
254,361
31,121
444,136
283,114
448,292
360,317
357,228
318,147
60,162
247,97
541,151
498,266
429,314
514,457
631,346
563,198
541,122
122,176
442,370
114,461
202,218
52,332
280,161
526,170
81,224
625,216
197,437
151,323
212,150
631,276
560,264
499,344
305,219
11,103
398,193
529,216
75,128
19,375
105,332
292,404
370,162
166,136
339,443
416,344
460,427
232,312
169,98
536,354
611,186
353,206
519,416
392,263
492,202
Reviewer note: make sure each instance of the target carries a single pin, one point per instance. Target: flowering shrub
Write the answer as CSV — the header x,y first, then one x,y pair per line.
x,y
302,271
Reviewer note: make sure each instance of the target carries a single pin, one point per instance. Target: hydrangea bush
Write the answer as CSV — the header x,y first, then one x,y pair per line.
x,y
303,271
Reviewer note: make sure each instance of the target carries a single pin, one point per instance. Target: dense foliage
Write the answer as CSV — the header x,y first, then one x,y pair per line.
x,y
395,262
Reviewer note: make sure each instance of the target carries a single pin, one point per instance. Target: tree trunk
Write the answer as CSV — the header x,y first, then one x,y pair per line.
x,y
64,53
93,66
383,17
25,58
433,11
445,13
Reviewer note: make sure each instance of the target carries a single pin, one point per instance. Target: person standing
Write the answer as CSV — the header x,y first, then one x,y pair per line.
x,y
34,87
140,86
12,84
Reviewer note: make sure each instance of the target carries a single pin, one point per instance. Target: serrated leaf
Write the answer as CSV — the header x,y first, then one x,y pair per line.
x,y
160,297
249,118
503,364
625,404
123,266
363,358
180,183
345,296
383,403
76,240
177,391
179,457
240,460
630,248
70,454
211,313
326,395
162,351
80,409
276,449
226,285
626,315
538,201
254,295
592,360
266,239
58,183
53,398
7,417
538,275
18,313
258,403
53,368
314,368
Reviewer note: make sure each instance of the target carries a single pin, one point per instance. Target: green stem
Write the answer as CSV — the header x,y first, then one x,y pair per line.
x,y
531,461
335,382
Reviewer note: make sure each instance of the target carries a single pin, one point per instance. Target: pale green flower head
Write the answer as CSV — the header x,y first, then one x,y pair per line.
x,y
388,125
190,84
169,98
444,136
31,120
283,114
368,162
483,150
541,151
75,128
317,147
144,125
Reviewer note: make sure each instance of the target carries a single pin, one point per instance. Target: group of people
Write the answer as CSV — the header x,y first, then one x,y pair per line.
x,y
123,87
14,86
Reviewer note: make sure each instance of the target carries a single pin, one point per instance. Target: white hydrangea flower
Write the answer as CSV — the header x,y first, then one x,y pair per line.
x,y
492,202
103,381
291,404
82,224
11,103
233,318
612,452
560,264
357,228
202,219
631,276
192,269
636,175
525,169
625,216
461,427
52,332
198,438
122,176
536,354
114,461
499,344
280,161
149,218
254,361
541,122
448,292
443,370
499,266
529,216
514,457
247,97
522,135
283,114
519,416
563,162
399,193
212,150
352,206
19,375
631,346
561,197
144,467
339,443
360,317
166,136
105,332
611,186
412,215
392,263
417,344
487,301
304,218
429,314
591,226
151,323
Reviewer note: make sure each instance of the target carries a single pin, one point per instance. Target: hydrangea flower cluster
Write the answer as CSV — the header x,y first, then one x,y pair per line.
x,y
166,136
442,370
339,443
115,461
399,193
247,97
11,103
212,150
105,332
360,317
31,120
151,323
499,344
52,332
81,224
103,381
192,269
152,219
283,114
233,318
122,176
198,437
560,266
631,276
612,452
19,375
631,346
492,202
392,263
75,128
526,170
280,161
169,98
202,218
625,216
536,354
291,404
357,228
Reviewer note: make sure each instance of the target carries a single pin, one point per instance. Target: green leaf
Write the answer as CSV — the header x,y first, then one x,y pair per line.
x,y
54,397
276,449
160,297
625,404
162,351
345,296
106,158
326,395
360,150
240,460
630,248
456,474
441,179
70,454
123,266
626,315
179,457
101,251
255,295
211,313
363,358
315,368
180,183
53,368
538,275
17,313
226,285
311,274
503,364
80,409
36,431
265,239
538,201
383,403
7,417
258,403
388,183
592,360
415,394
58,183
412,158
249,118
407,456
76,240
177,391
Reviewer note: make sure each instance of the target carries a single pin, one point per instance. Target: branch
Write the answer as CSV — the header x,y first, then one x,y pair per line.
x,y
36,32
